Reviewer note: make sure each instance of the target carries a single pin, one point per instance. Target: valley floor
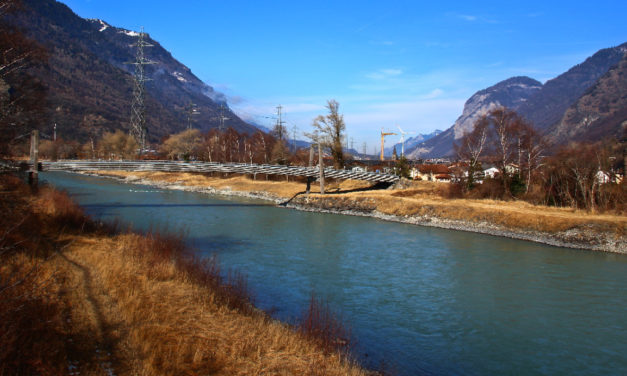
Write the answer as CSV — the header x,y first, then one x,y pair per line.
x,y
420,203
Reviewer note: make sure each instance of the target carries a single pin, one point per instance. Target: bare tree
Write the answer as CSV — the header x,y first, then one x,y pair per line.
x,y
504,124
209,145
531,146
472,148
21,95
577,174
331,129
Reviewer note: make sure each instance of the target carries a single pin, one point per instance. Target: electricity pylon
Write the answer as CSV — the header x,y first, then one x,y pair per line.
x,y
222,118
138,108
191,111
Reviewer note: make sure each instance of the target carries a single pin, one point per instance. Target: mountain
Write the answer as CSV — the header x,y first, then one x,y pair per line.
x,y
545,109
511,93
89,78
600,112
411,143
586,103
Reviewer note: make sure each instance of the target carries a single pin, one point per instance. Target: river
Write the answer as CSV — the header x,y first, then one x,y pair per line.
x,y
421,300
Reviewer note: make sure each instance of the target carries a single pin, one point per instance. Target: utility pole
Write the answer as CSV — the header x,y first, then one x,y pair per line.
x,y
34,158
55,132
138,109
279,123
321,166
311,161
294,129
365,149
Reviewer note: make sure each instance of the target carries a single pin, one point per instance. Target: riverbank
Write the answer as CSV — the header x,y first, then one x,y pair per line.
x,y
421,204
79,297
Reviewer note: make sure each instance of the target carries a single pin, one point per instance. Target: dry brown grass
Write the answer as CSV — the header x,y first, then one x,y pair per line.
x,y
511,214
279,187
77,299
172,325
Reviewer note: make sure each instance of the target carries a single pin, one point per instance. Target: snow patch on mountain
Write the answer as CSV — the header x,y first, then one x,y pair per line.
x,y
179,76
103,25
130,33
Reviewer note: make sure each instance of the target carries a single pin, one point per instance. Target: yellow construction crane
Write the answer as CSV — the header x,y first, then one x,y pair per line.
x,y
383,134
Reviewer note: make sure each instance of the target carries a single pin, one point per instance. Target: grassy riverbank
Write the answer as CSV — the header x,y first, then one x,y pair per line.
x,y
77,297
423,203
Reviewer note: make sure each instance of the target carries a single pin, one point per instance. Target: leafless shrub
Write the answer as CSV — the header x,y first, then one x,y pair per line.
x,y
323,327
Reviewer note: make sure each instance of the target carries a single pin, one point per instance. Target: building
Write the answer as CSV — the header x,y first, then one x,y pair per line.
x,y
431,172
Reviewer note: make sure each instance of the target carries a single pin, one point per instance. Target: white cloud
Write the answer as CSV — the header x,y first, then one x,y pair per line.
x,y
434,94
407,84
474,18
467,17
383,74
235,100
392,72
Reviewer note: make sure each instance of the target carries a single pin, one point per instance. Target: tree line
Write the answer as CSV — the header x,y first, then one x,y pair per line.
x,y
578,175
215,145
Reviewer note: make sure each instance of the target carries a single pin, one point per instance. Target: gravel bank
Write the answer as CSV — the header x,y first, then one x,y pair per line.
x,y
581,237
578,238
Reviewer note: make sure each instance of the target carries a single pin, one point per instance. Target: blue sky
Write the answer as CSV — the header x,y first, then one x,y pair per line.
x,y
404,63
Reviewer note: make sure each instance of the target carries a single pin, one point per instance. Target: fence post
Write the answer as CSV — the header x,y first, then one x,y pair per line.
x,y
321,166
311,158
34,158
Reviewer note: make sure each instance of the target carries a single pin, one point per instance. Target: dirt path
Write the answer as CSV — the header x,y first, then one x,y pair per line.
x,y
94,341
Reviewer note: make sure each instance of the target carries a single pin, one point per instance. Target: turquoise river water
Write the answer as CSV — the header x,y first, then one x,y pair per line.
x,y
420,300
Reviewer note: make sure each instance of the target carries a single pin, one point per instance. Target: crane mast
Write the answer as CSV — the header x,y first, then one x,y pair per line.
x,y
383,134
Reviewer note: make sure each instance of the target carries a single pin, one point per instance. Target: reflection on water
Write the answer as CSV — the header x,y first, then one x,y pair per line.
x,y
423,300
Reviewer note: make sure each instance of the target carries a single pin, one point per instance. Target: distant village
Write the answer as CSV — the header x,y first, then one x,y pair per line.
x,y
444,170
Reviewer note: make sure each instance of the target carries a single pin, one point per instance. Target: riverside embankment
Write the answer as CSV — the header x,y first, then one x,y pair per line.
x,y
81,297
419,204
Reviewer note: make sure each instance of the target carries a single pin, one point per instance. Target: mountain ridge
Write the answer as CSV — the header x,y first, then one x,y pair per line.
x,y
601,111
90,84
550,108
511,93
411,142
546,108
